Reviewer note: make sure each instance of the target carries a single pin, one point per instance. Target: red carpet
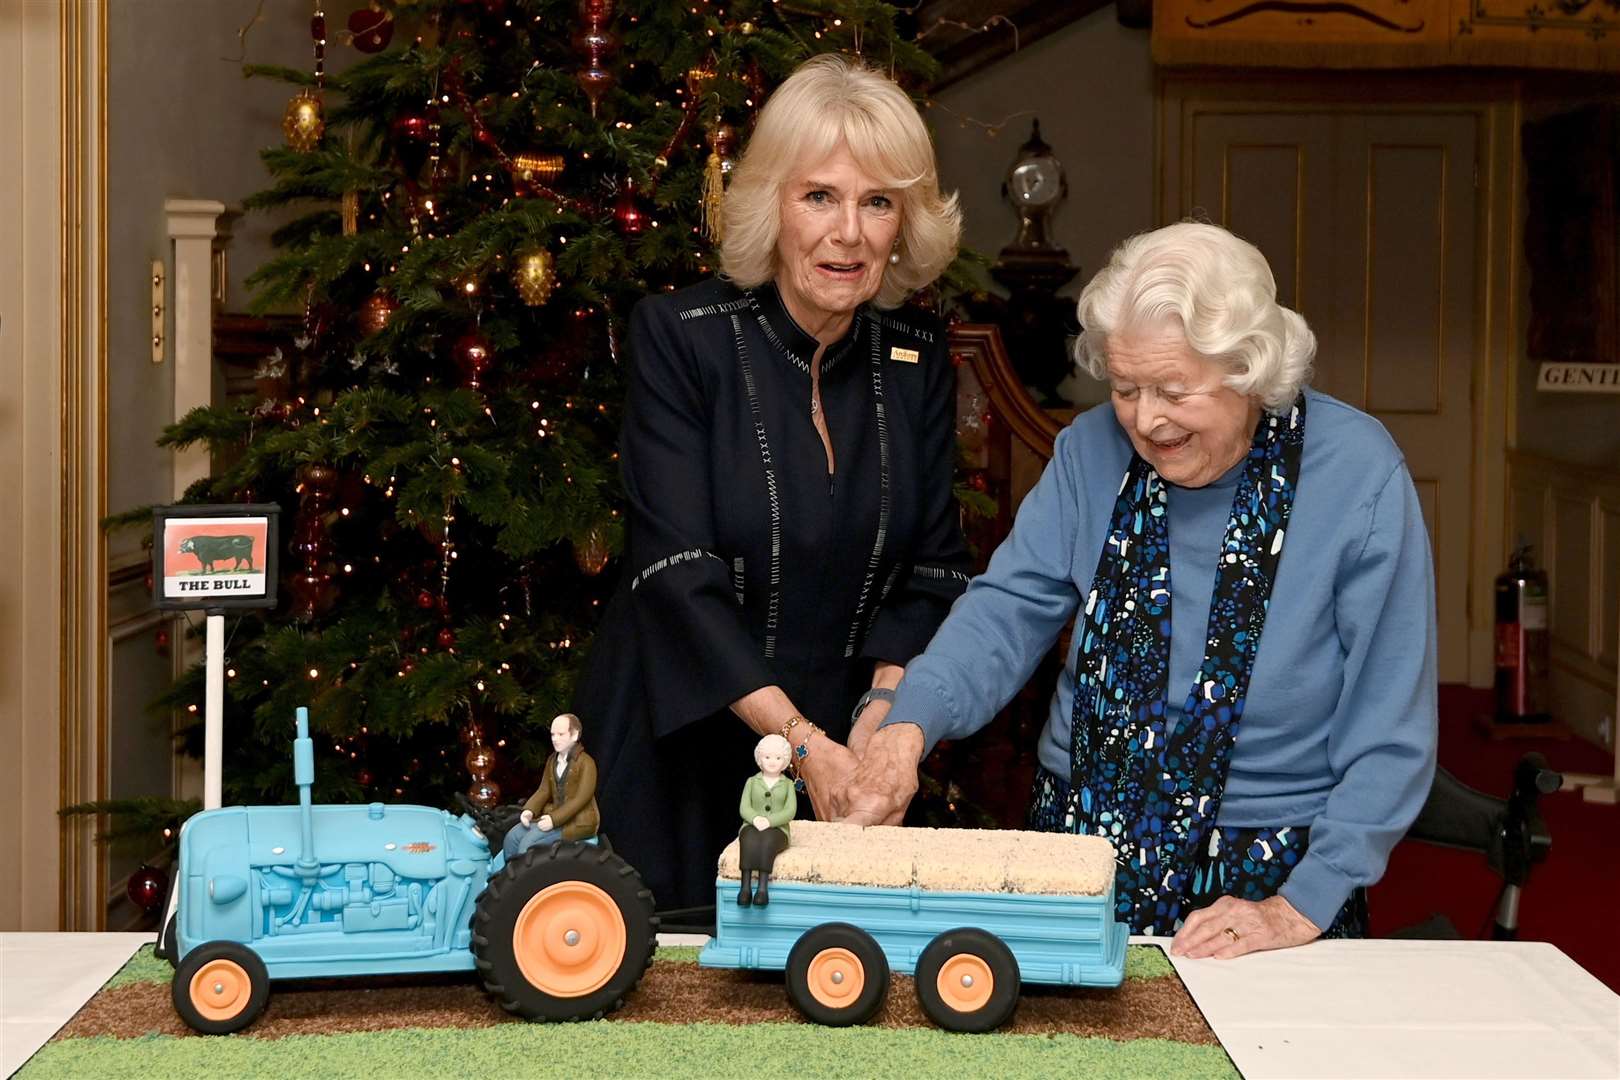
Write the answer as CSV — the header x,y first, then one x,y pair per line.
x,y
1570,898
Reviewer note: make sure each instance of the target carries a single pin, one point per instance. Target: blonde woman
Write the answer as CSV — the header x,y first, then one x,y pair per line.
x,y
787,455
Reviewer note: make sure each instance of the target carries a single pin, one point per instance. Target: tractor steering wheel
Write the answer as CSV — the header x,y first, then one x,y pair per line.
x,y
494,824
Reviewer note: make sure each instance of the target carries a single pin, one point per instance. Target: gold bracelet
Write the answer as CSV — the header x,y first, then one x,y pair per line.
x,y
802,750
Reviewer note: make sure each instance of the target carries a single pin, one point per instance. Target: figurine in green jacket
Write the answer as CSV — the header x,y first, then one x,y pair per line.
x,y
768,804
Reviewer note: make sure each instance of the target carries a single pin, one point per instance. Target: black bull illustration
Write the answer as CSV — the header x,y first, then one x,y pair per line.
x,y
212,549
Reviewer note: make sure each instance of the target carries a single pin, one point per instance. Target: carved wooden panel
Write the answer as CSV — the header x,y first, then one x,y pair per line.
x,y
1565,34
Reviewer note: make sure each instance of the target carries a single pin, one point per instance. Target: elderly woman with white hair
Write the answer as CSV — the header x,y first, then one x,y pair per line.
x,y
787,452
1254,760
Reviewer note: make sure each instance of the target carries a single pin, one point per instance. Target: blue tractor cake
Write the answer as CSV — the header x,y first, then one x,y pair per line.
x,y
267,893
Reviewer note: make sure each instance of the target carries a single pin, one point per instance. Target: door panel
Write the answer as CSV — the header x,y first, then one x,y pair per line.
x,y
1368,218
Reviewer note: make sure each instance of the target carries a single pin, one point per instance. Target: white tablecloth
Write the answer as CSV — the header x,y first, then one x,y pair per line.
x,y
1332,1009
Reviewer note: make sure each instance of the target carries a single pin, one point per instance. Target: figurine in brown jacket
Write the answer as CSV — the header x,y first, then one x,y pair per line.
x,y
565,806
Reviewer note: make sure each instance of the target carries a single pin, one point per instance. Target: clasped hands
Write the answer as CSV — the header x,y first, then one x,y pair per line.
x,y
871,780
527,819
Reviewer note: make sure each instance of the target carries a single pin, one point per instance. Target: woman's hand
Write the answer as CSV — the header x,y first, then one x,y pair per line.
x,y
866,726
886,777
762,823
1254,927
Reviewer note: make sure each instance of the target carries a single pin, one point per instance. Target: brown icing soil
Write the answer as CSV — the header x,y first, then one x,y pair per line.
x,y
669,993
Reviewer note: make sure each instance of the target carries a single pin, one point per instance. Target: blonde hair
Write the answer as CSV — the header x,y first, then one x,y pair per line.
x,y
1218,290
831,100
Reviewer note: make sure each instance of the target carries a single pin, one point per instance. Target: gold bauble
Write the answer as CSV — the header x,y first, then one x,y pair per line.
x,y
591,552
747,28
538,168
304,122
534,274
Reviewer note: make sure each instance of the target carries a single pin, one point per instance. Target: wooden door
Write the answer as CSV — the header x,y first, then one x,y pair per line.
x,y
1368,216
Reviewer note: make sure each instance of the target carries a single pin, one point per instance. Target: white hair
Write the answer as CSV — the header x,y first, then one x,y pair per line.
x,y
1218,290
772,742
830,101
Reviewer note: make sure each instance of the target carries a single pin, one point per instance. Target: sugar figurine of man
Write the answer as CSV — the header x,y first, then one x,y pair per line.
x,y
565,806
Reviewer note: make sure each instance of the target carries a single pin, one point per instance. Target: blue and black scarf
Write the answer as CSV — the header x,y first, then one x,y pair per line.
x,y
1151,785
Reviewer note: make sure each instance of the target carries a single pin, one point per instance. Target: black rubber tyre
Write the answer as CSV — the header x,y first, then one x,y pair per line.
x,y
972,953
803,975
248,986
606,885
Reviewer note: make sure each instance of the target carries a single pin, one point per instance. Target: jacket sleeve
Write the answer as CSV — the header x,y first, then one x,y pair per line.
x,y
745,806
938,568
581,790
698,656
1384,729
789,808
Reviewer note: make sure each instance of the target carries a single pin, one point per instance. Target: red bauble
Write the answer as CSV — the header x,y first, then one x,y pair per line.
x,y
372,29
424,600
628,215
471,353
447,638
147,887
364,777
408,127
160,641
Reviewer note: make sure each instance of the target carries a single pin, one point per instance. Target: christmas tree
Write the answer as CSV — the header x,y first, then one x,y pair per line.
x,y
481,203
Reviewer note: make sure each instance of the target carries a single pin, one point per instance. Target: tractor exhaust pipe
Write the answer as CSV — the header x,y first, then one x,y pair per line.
x,y
304,777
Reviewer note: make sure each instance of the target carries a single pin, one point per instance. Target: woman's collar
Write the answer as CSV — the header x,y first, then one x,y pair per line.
x,y
792,340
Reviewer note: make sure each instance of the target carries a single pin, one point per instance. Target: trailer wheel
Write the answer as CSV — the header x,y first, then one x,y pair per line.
x,y
564,932
220,987
967,980
837,975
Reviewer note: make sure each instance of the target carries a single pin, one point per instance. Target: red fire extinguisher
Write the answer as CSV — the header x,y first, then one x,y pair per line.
x,y
1521,641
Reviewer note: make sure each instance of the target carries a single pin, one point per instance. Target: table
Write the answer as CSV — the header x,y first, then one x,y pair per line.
x,y
1329,1009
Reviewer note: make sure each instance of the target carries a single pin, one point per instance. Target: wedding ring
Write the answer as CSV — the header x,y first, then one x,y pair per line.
x,y
1231,933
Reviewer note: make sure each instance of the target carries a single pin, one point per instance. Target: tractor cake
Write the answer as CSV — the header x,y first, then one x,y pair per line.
x,y
267,893
563,929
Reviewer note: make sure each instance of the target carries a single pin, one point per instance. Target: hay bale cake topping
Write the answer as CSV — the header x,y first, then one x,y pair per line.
x,y
948,860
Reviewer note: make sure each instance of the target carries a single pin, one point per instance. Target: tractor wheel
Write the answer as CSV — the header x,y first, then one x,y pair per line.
x,y
564,932
837,975
967,980
220,987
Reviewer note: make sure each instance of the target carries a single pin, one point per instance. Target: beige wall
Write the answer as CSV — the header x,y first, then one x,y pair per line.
x,y
1091,85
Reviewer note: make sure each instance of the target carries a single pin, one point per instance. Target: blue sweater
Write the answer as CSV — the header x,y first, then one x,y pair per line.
x,y
1340,725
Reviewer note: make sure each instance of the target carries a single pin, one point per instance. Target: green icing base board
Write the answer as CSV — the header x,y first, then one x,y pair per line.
x,y
629,1049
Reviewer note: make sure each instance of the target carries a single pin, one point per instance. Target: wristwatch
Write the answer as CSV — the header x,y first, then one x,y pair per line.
x,y
877,693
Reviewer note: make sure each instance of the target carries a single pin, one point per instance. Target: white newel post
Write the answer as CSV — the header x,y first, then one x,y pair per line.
x,y
192,224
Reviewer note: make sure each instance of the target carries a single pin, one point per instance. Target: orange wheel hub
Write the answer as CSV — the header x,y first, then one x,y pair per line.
x,y
965,983
835,978
569,939
220,990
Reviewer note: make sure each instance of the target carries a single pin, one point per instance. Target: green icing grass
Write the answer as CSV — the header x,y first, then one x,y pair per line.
x,y
1146,962
143,967
676,954
626,1049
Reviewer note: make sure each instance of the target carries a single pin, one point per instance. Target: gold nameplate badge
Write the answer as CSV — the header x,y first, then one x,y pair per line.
x,y
905,356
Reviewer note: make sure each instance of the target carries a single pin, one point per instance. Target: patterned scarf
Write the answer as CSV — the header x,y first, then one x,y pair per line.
x,y
1151,785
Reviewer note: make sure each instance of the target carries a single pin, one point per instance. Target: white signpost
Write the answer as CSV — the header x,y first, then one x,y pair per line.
x,y
214,558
